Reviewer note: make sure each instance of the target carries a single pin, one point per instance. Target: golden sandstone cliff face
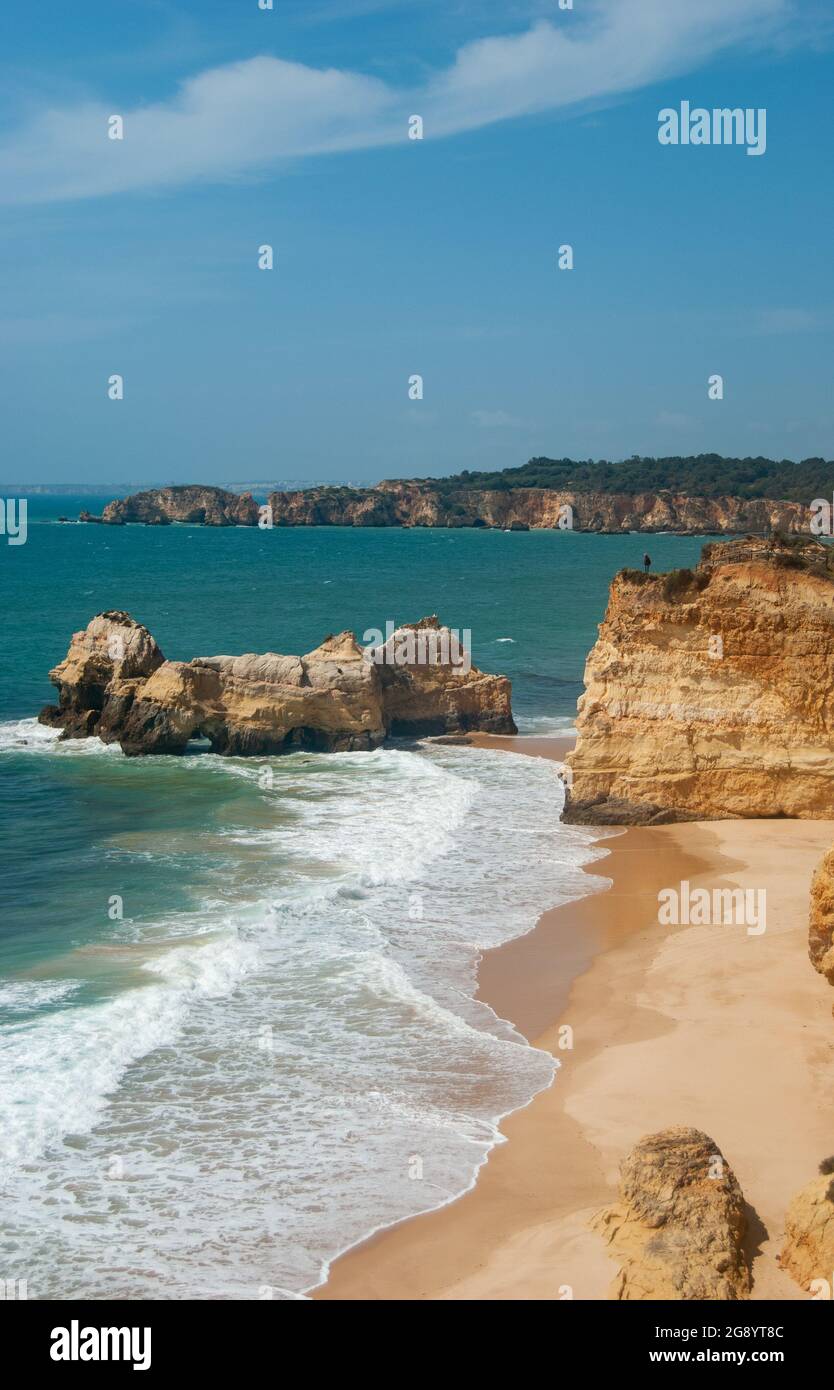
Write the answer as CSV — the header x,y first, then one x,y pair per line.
x,y
115,684
708,692
414,504
679,1227
410,504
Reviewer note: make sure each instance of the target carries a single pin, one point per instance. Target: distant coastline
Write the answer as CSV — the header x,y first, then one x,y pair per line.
x,y
407,506
704,495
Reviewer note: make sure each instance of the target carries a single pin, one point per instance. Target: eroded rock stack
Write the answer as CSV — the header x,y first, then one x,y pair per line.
x,y
100,675
679,1226
808,1252
708,691
115,684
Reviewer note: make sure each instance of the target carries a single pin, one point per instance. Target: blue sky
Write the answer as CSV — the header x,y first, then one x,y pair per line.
x,y
395,257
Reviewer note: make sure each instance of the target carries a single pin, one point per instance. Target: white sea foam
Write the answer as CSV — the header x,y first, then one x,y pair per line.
x,y
60,1068
270,1089
27,733
25,996
546,726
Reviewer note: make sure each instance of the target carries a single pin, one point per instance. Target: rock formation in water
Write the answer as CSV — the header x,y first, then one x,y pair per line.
x,y
115,683
411,504
679,1226
708,693
105,666
808,1252
204,506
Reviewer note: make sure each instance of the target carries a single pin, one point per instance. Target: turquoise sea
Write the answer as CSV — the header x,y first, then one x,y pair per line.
x,y
237,1024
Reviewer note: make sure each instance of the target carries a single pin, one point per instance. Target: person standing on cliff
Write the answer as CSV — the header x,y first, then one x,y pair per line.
x,y
647,562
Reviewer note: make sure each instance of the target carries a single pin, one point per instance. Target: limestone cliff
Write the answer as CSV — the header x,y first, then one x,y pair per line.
x,y
680,1222
808,1252
205,506
708,692
115,683
411,504
416,504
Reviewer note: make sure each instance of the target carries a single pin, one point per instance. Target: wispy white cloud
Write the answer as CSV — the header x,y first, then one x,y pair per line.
x,y
246,117
625,45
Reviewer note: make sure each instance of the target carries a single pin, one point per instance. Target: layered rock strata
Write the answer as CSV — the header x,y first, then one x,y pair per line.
x,y
410,504
114,683
708,693
518,509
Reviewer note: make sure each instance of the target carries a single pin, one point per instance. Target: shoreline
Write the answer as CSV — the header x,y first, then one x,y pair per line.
x,y
670,1026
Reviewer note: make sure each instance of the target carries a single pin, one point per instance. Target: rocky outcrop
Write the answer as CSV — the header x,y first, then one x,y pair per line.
x,y
429,687
708,692
519,509
255,705
679,1225
808,1252
100,674
115,684
821,923
203,506
411,504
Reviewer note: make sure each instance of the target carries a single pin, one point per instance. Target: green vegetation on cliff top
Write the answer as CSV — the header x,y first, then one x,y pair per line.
x,y
705,475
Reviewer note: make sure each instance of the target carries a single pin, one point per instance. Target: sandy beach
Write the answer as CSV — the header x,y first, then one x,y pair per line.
x,y
707,1026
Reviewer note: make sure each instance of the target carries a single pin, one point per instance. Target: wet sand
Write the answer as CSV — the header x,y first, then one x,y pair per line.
x,y
700,1025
